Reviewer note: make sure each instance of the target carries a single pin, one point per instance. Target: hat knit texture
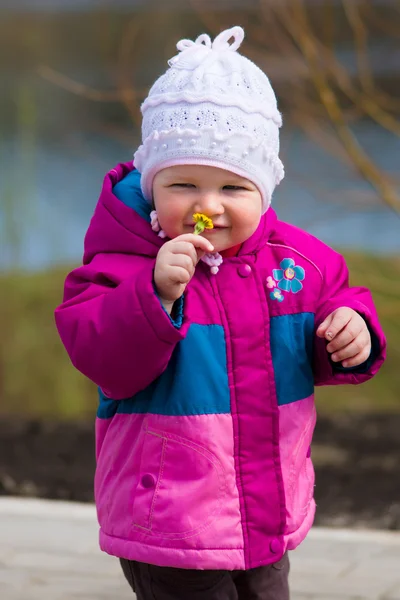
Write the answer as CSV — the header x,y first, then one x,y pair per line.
x,y
212,107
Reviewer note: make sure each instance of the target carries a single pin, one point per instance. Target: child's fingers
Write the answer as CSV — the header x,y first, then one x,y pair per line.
x,y
349,333
185,249
184,261
334,323
179,274
359,346
199,242
325,326
359,357
356,360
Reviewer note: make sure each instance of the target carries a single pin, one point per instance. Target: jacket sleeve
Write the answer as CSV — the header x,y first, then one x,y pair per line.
x,y
336,293
118,335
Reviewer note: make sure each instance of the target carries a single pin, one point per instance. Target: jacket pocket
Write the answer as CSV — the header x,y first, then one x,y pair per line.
x,y
300,484
180,488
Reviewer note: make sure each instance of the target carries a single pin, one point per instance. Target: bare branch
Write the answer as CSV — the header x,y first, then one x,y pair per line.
x,y
126,69
360,159
389,27
360,99
360,32
80,89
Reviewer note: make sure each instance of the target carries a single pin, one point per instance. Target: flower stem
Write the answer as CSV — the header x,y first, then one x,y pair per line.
x,y
199,228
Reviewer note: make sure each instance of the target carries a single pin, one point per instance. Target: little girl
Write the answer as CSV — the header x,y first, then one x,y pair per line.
x,y
206,348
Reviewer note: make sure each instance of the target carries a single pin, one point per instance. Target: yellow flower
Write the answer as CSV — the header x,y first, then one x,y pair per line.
x,y
202,222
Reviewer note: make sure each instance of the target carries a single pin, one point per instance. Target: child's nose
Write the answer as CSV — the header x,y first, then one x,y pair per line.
x,y
209,204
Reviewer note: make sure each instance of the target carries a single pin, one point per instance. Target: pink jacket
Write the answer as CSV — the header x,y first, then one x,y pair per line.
x,y
205,422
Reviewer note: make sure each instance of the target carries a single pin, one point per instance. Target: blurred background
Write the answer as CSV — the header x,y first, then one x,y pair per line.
x,y
73,74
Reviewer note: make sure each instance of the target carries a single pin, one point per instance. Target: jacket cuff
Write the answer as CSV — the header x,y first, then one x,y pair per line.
x,y
157,317
177,311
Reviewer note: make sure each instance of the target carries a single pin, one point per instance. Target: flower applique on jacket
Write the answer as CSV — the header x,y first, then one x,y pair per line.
x,y
287,278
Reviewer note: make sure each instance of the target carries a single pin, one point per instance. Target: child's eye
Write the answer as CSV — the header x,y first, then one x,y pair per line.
x,y
183,185
234,188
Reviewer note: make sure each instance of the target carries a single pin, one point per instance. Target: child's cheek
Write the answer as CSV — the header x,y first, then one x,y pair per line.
x,y
247,226
171,225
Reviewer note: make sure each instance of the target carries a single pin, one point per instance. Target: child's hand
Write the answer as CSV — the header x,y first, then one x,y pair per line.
x,y
175,266
348,335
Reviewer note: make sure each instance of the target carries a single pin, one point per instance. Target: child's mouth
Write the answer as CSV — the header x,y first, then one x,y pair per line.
x,y
216,228
219,227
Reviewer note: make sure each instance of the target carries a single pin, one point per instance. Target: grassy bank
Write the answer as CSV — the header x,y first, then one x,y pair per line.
x,y
36,377
382,277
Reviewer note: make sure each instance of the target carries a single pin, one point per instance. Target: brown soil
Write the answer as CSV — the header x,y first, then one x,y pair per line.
x,y
357,460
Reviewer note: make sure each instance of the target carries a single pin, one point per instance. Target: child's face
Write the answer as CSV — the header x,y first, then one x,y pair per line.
x,y
232,202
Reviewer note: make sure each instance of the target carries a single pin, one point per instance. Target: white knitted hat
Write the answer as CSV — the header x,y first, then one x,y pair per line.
x,y
212,107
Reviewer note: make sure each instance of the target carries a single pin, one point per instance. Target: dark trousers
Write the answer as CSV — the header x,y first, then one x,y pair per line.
x,y
165,583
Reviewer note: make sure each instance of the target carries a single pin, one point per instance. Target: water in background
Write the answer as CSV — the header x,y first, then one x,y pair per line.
x,y
56,147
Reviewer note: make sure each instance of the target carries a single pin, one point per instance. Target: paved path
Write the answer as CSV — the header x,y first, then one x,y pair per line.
x,y
49,551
